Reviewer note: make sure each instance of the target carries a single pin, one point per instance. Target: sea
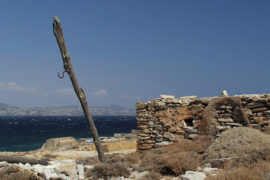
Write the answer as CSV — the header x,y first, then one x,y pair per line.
x,y
21,133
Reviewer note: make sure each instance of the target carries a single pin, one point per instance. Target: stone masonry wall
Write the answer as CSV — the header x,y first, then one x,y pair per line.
x,y
166,119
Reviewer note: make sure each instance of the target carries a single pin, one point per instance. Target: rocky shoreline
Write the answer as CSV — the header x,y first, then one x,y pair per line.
x,y
65,156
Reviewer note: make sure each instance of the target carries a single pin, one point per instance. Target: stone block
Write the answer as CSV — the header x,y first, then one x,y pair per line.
x,y
159,139
142,138
140,105
144,146
190,130
149,141
261,109
142,123
160,106
223,120
141,134
163,96
228,111
267,112
168,135
254,105
234,124
157,127
261,100
221,128
164,143
188,98
177,130
142,127
193,136
147,131
219,111
225,115
177,137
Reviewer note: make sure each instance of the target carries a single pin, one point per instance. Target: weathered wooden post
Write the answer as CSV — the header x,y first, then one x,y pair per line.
x,y
58,33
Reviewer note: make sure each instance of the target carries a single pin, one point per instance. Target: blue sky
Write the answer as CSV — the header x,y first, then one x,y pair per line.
x,y
124,51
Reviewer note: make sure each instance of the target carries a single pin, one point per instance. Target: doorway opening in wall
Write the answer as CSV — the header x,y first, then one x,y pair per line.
x,y
189,122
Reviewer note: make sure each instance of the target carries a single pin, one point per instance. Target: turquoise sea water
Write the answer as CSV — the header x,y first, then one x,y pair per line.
x,y
30,133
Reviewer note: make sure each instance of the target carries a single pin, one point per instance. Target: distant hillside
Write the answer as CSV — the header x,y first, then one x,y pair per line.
x,y
3,106
7,110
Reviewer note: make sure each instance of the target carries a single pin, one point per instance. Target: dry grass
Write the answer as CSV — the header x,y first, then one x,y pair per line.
x,y
133,158
115,166
255,171
238,142
88,161
16,173
175,158
198,145
170,164
106,170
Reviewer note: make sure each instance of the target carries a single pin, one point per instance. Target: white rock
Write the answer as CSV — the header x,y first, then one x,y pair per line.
x,y
164,143
224,94
193,175
209,170
48,172
140,175
88,167
163,96
80,171
38,168
192,136
188,97
67,165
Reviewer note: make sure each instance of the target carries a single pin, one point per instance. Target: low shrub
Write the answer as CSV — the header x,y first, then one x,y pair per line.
x,y
171,163
114,166
106,170
238,142
13,172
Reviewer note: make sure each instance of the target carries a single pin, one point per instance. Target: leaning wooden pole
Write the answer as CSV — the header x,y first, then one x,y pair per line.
x,y
58,33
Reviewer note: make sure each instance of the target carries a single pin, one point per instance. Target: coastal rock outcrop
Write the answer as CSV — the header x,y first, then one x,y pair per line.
x,y
60,143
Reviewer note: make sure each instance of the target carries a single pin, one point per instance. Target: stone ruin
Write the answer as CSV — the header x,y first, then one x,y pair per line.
x,y
167,119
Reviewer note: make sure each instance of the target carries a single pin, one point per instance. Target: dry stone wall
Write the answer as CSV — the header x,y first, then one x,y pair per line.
x,y
167,119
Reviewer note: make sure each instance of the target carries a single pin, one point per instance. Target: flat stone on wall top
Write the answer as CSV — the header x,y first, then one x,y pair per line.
x,y
163,96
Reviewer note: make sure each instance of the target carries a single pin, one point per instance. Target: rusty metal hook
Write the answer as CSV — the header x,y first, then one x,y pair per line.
x,y
63,74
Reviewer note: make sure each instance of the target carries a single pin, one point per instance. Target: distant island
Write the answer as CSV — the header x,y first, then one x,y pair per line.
x,y
8,110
